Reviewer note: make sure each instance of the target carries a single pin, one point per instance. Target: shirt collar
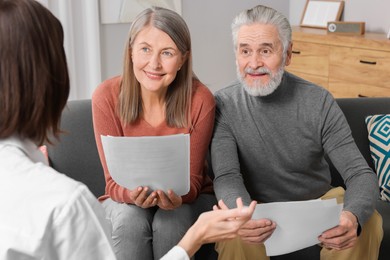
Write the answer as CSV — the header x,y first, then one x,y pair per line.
x,y
27,146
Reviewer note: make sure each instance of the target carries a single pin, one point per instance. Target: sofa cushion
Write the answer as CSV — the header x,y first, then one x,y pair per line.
x,y
76,153
378,127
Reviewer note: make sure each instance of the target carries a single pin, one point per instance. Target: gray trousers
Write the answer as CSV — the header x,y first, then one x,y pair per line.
x,y
150,233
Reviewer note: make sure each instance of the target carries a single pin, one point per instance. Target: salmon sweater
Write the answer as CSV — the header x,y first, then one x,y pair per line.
x,y
106,121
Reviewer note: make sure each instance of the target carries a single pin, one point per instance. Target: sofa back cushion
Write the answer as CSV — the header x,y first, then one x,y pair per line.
x,y
356,110
76,153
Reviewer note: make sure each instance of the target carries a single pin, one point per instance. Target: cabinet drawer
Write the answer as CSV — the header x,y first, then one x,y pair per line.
x,y
319,80
310,58
347,89
365,67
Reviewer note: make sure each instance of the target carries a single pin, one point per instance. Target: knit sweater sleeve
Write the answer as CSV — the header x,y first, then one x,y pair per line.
x,y
106,122
360,180
202,117
228,181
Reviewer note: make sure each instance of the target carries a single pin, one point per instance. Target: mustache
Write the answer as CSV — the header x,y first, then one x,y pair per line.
x,y
258,71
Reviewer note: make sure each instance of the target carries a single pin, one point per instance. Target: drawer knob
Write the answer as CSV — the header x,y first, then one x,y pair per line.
x,y
368,62
296,52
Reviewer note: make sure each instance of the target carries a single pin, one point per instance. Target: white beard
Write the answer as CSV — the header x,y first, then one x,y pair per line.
x,y
259,89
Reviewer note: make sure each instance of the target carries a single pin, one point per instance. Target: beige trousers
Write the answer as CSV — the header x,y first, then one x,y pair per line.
x,y
367,246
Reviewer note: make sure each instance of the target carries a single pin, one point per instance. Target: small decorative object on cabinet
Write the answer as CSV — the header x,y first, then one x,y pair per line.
x,y
346,27
346,65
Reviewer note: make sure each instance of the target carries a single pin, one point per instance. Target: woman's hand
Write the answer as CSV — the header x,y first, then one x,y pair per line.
x,y
142,199
217,225
169,200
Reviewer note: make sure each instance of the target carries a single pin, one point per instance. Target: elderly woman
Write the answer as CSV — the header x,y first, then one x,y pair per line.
x,y
157,94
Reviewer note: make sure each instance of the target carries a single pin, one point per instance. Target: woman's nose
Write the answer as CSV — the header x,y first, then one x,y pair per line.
x,y
155,62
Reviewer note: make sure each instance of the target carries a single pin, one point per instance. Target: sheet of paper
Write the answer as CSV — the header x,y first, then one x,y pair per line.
x,y
299,223
158,162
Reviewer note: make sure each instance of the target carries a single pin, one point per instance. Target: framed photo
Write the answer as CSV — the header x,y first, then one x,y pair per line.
x,y
318,13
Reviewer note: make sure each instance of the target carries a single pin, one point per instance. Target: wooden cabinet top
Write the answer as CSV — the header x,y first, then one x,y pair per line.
x,y
372,41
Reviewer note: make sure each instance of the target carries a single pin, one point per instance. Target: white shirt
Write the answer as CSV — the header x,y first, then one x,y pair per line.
x,y
176,253
45,214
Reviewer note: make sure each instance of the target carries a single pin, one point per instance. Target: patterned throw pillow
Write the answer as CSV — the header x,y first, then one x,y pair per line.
x,y
378,127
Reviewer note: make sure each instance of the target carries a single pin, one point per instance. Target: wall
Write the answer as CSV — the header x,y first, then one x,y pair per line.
x,y
209,24
113,38
375,13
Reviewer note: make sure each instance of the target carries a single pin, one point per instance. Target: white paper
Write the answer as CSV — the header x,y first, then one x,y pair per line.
x,y
158,162
298,223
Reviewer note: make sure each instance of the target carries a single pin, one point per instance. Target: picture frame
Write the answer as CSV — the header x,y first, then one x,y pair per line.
x,y
317,13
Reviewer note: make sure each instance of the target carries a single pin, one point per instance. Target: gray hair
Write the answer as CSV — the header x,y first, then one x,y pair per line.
x,y
178,98
165,20
263,15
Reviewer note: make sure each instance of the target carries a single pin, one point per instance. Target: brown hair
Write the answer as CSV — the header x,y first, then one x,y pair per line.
x,y
34,82
178,97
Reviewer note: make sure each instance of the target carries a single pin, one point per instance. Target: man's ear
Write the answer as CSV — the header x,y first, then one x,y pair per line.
x,y
288,54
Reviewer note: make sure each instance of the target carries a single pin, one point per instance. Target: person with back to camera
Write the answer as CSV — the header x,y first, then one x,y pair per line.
x,y
157,94
272,134
44,214
47,215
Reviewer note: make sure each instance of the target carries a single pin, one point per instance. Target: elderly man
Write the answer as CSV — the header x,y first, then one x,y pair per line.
x,y
271,136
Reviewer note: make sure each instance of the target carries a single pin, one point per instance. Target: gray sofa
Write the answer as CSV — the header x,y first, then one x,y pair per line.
x,y
76,156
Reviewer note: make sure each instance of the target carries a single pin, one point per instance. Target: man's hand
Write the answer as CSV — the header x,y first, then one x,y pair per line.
x,y
257,231
344,235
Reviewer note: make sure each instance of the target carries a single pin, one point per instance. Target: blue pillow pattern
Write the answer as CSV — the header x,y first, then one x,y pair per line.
x,y
378,127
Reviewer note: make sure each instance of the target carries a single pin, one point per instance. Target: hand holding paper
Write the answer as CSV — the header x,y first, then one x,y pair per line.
x,y
298,223
169,200
256,231
342,236
145,199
